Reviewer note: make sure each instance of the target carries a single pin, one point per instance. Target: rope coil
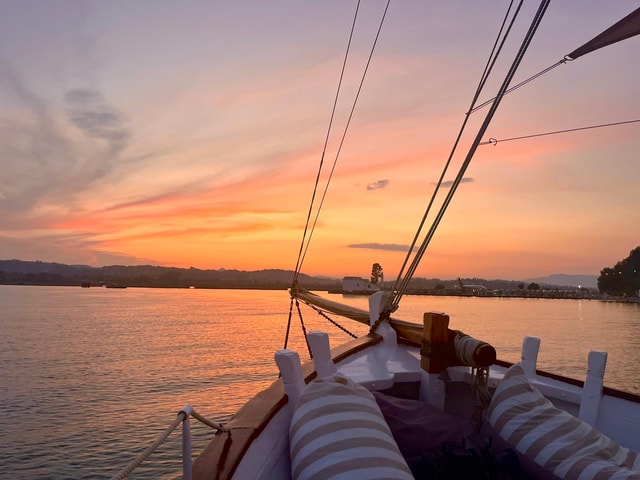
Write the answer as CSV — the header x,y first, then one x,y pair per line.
x,y
482,396
465,345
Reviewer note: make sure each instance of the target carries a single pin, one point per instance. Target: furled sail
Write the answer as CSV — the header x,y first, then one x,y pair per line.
x,y
347,311
625,28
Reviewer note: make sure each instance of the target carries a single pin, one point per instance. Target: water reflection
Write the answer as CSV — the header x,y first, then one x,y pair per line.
x,y
90,377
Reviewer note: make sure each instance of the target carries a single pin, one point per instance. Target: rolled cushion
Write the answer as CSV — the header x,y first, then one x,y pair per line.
x,y
338,432
553,438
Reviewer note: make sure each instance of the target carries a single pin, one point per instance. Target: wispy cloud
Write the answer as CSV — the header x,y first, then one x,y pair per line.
x,y
392,247
89,112
51,157
31,144
118,140
378,185
72,249
449,183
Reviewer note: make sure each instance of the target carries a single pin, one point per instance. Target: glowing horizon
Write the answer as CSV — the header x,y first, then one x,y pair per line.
x,y
191,135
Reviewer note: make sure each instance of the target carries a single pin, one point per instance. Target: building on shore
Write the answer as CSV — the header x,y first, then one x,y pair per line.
x,y
359,285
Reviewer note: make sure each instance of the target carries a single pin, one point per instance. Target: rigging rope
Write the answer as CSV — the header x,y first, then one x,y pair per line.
x,y
401,283
305,246
304,329
326,317
320,312
324,148
494,141
286,337
393,304
628,27
524,82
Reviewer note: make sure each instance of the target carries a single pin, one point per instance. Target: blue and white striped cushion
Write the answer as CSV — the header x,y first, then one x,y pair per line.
x,y
553,438
338,432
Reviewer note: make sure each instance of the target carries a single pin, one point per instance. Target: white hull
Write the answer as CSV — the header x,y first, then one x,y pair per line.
x,y
260,431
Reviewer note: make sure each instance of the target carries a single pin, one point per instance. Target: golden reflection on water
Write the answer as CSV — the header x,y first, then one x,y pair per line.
x,y
90,377
99,373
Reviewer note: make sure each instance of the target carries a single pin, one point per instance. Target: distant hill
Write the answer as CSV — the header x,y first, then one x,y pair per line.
x,y
21,272
561,279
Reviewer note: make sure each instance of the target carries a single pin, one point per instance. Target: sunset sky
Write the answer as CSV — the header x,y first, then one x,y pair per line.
x,y
189,134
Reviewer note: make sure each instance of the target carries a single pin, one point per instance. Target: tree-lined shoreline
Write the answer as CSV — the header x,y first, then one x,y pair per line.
x,y
21,272
622,280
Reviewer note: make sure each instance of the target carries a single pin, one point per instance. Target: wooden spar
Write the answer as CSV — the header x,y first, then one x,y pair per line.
x,y
441,346
438,344
347,311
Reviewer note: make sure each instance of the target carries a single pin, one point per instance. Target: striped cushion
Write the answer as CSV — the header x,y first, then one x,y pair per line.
x,y
553,438
338,432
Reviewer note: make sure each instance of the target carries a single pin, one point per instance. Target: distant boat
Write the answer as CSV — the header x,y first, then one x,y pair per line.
x,y
114,285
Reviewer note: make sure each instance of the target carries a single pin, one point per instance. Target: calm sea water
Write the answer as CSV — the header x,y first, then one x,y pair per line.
x,y
90,377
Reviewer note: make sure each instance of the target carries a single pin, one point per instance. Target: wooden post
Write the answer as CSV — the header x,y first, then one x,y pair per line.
x,y
435,339
530,348
592,390
290,368
319,343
